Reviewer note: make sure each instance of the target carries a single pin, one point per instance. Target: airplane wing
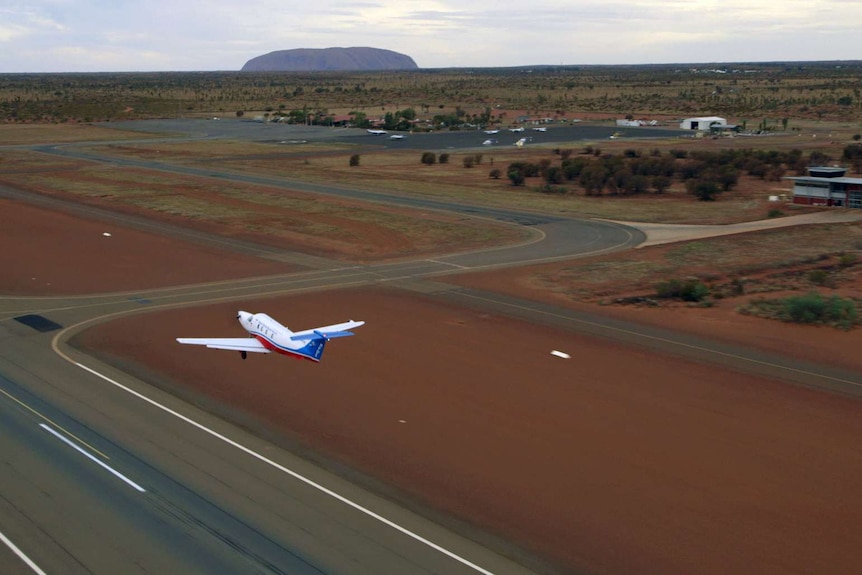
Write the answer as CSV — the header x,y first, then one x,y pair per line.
x,y
328,332
232,343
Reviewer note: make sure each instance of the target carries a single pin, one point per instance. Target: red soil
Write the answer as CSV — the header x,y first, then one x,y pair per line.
x,y
53,253
825,345
615,461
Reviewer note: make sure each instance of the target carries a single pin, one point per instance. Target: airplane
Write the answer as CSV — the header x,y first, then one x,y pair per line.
x,y
377,132
520,143
396,137
516,129
489,142
492,132
267,335
540,129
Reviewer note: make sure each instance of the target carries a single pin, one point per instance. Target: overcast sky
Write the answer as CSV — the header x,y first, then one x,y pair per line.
x,y
180,35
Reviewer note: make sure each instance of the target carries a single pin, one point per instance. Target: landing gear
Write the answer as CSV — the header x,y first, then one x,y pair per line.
x,y
243,354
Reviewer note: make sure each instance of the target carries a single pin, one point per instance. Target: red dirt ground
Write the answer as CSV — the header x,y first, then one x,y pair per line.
x,y
616,461
824,345
48,252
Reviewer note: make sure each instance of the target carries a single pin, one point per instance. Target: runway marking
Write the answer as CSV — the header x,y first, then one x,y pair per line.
x,y
21,555
92,458
449,264
283,469
49,420
669,341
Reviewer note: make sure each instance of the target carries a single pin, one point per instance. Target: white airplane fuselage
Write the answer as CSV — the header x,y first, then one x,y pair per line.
x,y
277,338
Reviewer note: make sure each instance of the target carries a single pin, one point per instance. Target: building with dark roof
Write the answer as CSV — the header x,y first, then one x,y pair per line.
x,y
827,186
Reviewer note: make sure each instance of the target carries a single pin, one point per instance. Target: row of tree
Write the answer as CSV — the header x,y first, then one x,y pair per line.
x,y
704,174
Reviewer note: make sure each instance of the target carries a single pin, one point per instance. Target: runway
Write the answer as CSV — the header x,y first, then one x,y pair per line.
x,y
208,500
217,498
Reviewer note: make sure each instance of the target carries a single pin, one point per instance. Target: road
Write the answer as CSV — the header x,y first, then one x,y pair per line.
x,y
105,474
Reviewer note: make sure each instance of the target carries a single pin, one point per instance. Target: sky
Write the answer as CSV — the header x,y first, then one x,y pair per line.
x,y
204,35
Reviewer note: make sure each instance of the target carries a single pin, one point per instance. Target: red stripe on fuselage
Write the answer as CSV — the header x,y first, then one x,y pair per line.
x,y
272,347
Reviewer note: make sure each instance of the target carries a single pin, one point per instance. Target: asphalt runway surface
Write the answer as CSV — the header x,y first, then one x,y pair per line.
x,y
187,492
276,133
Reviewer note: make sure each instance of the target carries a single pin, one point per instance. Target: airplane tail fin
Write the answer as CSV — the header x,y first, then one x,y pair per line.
x,y
313,350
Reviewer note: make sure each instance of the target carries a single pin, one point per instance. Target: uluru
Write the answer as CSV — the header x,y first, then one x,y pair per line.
x,y
330,59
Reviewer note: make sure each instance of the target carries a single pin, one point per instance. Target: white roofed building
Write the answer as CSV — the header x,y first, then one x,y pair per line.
x,y
704,124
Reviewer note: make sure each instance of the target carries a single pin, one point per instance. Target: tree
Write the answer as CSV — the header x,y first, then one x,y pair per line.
x,y
727,177
660,184
516,177
592,178
360,120
240,113
354,160
495,173
429,158
705,190
554,175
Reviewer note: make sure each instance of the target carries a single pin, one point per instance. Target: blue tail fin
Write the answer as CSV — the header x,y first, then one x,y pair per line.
x,y
313,350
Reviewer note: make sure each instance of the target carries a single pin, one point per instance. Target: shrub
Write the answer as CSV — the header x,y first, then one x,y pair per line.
x,y
469,161
775,213
687,290
516,177
526,169
846,260
818,277
495,173
444,158
814,308
554,175
354,160
660,184
429,158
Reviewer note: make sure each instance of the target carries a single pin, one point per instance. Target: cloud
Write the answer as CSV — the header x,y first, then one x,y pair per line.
x,y
126,35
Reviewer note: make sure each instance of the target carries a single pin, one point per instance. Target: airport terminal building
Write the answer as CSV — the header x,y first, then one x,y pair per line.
x,y
827,186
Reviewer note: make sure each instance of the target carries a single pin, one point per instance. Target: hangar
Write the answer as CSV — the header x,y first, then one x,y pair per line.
x,y
704,124
827,186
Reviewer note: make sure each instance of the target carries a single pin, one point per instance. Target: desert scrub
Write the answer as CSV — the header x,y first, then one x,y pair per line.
x,y
810,308
690,289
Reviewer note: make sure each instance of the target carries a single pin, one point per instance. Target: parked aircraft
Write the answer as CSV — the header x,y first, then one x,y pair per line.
x,y
377,132
540,129
516,130
267,335
396,137
492,132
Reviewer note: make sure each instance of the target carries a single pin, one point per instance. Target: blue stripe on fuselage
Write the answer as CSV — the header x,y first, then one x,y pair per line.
x,y
306,351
